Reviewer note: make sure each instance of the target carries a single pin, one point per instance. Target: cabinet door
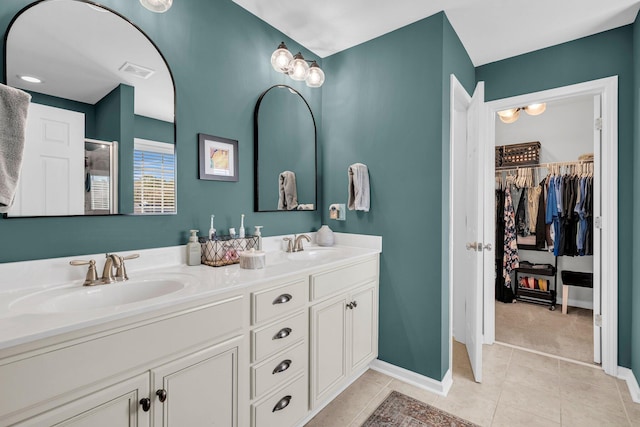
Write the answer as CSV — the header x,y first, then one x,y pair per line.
x,y
328,347
199,390
114,406
364,327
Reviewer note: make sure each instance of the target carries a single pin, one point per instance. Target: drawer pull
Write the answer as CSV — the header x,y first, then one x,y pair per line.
x,y
282,333
282,403
146,404
282,366
282,299
162,395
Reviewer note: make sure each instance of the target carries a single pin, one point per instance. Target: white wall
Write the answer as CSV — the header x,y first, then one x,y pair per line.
x,y
565,131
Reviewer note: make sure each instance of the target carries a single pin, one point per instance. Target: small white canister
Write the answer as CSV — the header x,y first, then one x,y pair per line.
x,y
252,259
324,236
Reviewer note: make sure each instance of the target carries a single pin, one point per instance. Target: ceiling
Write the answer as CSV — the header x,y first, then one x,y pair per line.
x,y
490,30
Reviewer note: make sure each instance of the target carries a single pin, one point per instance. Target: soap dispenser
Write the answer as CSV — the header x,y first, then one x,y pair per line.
x,y
193,249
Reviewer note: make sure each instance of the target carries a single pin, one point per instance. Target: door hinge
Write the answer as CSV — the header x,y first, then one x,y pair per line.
x,y
598,320
598,123
597,222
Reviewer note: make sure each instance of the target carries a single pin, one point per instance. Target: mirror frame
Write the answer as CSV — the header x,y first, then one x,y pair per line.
x,y
173,81
256,162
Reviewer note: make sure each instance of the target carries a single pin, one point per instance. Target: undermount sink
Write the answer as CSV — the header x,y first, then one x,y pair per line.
x,y
312,253
86,298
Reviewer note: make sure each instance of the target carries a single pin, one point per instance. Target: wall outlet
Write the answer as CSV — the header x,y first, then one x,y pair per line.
x,y
338,211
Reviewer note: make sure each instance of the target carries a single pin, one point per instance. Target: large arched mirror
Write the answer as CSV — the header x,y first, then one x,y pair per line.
x,y
100,135
285,151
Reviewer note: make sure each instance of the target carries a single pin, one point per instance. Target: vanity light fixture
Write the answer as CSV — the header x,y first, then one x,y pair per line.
x,y
512,114
158,6
30,79
296,67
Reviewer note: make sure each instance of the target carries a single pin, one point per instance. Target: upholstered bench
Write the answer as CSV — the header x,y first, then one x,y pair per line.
x,y
574,278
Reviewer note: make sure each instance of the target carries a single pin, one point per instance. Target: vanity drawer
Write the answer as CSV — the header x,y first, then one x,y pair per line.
x,y
278,369
335,281
283,408
277,336
277,301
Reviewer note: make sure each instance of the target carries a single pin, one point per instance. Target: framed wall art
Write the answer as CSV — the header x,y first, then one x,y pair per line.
x,y
218,158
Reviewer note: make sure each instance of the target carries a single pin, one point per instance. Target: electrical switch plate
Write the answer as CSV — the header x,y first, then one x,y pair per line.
x,y
338,211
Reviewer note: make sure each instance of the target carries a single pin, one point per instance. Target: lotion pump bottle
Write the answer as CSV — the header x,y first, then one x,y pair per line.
x,y
193,249
258,234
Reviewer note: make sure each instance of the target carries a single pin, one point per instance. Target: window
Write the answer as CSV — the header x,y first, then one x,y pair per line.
x,y
153,177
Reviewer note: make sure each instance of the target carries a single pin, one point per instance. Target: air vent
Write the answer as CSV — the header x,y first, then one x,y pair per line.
x,y
137,70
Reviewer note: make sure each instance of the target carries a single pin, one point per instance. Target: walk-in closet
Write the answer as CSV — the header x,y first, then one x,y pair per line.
x,y
546,185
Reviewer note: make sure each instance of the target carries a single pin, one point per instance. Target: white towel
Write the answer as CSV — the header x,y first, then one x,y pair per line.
x,y
359,198
14,105
288,199
305,207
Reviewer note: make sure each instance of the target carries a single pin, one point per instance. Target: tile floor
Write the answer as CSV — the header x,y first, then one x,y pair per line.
x,y
519,389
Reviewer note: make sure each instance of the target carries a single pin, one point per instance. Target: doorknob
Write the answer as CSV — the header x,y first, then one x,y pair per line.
x,y
473,246
488,247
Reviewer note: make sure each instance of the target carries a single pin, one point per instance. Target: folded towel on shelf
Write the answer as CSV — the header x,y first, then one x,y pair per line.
x,y
288,199
14,105
359,198
305,207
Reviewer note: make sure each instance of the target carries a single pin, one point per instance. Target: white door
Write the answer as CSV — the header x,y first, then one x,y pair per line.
x,y
597,213
363,323
467,220
52,177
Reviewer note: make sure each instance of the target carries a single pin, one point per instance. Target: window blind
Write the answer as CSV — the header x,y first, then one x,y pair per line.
x,y
153,177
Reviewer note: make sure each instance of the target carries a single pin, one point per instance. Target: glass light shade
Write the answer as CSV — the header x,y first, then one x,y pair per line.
x,y
158,6
316,75
535,109
510,115
299,69
281,59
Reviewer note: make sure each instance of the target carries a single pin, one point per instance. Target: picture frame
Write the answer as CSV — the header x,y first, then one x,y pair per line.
x,y
218,158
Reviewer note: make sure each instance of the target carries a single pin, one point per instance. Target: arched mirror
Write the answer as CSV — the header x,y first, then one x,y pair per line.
x,y
285,151
100,135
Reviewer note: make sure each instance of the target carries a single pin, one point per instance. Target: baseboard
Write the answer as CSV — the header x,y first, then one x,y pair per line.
x,y
440,388
627,375
576,303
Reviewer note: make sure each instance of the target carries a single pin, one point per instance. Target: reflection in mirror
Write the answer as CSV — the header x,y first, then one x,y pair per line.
x,y
285,141
103,84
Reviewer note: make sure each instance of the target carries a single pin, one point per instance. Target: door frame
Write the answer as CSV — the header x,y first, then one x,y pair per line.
x,y
607,88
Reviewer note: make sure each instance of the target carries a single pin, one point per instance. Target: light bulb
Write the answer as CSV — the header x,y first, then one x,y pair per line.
x,y
535,109
299,68
510,115
158,6
315,78
281,58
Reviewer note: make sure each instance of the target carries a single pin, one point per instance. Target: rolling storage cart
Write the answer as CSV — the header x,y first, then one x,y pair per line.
x,y
530,289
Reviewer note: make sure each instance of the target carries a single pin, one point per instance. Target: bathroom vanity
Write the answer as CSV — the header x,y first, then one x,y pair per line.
x,y
223,346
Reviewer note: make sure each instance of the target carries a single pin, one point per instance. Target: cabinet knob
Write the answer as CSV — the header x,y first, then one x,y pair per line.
x,y
354,304
282,366
162,395
282,299
282,333
282,403
146,404
349,306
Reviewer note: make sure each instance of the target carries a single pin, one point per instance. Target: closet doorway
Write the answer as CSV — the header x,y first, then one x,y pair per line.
x,y
591,107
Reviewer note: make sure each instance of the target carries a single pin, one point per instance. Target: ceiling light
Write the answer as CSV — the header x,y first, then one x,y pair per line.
x,y
296,67
512,114
158,6
30,79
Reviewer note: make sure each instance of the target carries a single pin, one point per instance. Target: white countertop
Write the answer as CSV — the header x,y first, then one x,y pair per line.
x,y
20,323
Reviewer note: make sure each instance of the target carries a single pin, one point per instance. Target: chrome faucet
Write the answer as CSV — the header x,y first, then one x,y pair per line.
x,y
297,246
113,262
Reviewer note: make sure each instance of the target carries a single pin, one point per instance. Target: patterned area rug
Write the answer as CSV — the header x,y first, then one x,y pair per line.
x,y
399,410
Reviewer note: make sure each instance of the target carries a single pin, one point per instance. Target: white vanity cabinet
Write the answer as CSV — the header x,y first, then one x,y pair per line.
x,y
344,327
120,377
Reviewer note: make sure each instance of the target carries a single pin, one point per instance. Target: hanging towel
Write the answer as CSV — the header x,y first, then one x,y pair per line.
x,y
288,199
14,105
305,207
359,198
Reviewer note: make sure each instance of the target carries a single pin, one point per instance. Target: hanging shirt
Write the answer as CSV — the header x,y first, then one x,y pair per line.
x,y
510,260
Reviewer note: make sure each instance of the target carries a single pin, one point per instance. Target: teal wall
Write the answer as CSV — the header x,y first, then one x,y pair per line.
x,y
635,297
384,107
153,129
115,122
601,55
220,63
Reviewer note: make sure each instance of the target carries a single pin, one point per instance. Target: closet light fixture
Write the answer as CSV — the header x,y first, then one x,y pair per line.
x,y
158,6
512,114
30,79
296,67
